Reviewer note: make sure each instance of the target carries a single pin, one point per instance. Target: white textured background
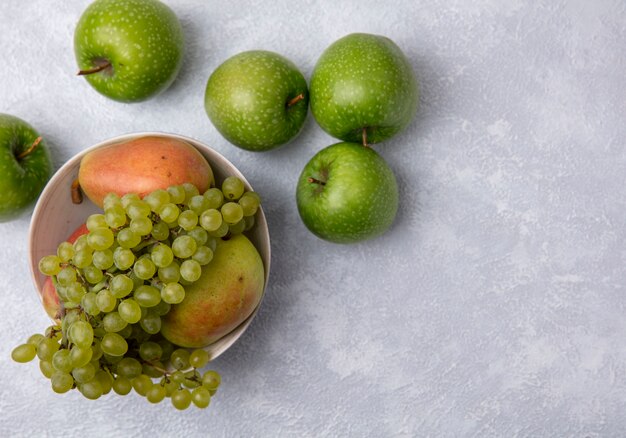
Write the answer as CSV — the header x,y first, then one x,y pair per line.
x,y
496,304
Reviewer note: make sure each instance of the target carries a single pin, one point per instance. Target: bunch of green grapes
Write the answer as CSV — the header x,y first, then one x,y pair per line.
x,y
117,281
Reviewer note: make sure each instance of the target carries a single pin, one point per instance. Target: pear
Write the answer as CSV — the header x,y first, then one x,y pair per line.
x,y
227,292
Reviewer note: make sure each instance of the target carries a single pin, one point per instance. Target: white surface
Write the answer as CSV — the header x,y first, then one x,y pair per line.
x,y
494,307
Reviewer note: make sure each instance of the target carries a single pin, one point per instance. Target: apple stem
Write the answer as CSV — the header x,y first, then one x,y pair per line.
x,y
77,196
364,136
30,149
295,100
93,70
316,181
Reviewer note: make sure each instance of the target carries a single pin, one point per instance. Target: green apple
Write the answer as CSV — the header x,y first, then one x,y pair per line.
x,y
347,193
257,100
363,89
25,166
128,50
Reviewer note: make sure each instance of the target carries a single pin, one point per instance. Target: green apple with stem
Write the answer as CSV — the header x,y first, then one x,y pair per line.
x,y
363,89
347,193
258,100
128,50
25,166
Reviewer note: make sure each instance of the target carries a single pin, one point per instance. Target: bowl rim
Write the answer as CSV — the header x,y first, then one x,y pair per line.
x,y
221,345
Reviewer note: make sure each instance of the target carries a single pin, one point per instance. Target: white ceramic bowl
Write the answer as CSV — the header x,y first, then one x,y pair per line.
x,y
55,217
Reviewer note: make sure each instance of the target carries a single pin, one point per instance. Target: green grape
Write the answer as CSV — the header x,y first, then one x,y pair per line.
x,y
173,293
233,188
81,243
24,353
203,255
46,368
121,285
35,339
211,380
212,243
113,344
221,231
161,255
92,274
115,216
54,332
199,235
177,194
232,213
198,358
198,204
50,265
102,259
110,200
187,220
180,359
82,258
84,374
128,239
153,370
237,228
181,399
46,348
96,348
137,209
178,377
211,219
129,198
111,360
89,304
150,351
81,333
105,379
160,231
215,198
126,332
190,270
100,239
113,322
147,296
136,280
138,334
144,268
155,394
249,222
105,300
170,387
129,310
190,191
162,308
170,274
80,356
201,397
192,379
141,384
167,347
249,202
61,361
151,323
169,213
141,226
65,251
184,246
157,198
129,367
121,385
91,390
61,382
66,276
75,292
96,221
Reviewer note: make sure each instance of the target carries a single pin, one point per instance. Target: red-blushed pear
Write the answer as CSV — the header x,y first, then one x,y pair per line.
x,y
142,165
227,292
49,296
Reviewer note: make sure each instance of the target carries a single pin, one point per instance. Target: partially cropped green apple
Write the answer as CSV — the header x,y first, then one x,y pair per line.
x,y
363,89
258,100
347,193
25,166
129,50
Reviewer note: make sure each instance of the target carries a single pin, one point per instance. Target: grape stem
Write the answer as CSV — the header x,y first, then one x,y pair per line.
x,y
30,149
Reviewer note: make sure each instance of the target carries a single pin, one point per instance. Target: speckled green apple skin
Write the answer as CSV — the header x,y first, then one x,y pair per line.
x,y
142,39
21,180
359,199
246,99
363,81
